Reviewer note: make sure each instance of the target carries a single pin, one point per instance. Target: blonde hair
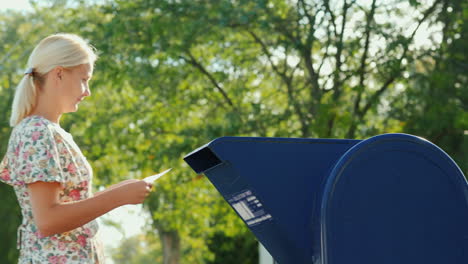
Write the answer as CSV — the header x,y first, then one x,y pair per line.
x,y
66,50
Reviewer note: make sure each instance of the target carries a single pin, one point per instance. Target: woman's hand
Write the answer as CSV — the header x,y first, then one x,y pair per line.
x,y
133,191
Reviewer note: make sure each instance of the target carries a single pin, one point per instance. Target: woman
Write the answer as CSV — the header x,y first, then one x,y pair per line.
x,y
50,175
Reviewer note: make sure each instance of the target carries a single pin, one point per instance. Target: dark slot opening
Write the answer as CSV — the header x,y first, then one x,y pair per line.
x,y
202,160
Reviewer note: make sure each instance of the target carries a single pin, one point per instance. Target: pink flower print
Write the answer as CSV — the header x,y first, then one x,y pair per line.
x,y
36,135
61,246
49,154
17,151
26,170
38,234
5,175
53,259
75,194
81,240
71,168
84,184
62,260
87,231
26,155
74,248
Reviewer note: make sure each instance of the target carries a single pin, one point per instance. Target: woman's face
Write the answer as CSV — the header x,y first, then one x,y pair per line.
x,y
74,87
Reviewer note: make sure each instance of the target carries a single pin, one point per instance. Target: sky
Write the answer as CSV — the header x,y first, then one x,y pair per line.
x,y
18,5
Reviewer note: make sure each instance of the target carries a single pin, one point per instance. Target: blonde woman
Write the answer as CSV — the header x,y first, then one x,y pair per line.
x,y
47,170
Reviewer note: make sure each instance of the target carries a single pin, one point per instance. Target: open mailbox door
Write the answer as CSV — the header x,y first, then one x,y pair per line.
x,y
393,198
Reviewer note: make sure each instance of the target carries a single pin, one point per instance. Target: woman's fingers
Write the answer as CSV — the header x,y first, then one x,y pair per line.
x,y
149,186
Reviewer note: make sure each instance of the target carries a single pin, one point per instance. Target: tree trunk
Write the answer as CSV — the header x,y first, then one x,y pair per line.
x,y
170,241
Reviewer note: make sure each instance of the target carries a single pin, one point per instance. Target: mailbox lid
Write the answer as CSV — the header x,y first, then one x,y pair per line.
x,y
395,198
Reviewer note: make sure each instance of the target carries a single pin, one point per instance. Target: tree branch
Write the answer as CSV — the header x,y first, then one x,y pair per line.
x,y
306,53
360,113
337,81
265,50
362,68
288,82
396,74
192,61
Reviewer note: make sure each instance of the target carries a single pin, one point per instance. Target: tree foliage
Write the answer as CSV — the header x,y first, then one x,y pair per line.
x,y
435,104
173,75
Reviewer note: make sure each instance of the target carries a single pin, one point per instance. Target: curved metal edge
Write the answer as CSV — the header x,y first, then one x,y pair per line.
x,y
343,162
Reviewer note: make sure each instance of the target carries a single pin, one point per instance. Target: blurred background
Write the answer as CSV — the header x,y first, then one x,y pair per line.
x,y
175,74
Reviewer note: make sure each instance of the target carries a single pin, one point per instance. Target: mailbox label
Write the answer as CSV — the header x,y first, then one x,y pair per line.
x,y
249,207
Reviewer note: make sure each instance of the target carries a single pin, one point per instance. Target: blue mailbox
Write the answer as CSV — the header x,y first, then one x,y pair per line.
x,y
390,199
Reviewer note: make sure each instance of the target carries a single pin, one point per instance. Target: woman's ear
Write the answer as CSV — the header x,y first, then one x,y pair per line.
x,y
57,73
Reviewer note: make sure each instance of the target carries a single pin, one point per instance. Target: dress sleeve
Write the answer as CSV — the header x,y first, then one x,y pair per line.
x,y
4,172
37,156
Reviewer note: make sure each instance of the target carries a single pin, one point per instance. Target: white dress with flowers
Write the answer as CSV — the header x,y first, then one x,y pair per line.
x,y
40,150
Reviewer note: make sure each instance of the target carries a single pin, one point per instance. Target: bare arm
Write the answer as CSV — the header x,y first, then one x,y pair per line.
x,y
113,186
53,217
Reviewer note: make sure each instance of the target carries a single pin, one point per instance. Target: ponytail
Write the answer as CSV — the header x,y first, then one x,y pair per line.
x,y
24,100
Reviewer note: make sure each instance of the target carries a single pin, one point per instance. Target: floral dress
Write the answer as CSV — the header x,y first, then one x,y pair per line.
x,y
40,150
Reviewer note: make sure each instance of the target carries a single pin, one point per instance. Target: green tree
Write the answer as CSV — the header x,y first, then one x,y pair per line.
x,y
173,75
137,250
435,104
260,68
223,248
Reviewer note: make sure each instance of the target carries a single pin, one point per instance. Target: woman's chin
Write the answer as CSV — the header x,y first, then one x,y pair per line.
x,y
72,109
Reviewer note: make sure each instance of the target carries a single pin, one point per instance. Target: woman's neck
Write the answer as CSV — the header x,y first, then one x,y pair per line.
x,y
47,114
44,108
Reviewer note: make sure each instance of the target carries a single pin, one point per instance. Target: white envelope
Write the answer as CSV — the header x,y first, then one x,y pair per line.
x,y
153,178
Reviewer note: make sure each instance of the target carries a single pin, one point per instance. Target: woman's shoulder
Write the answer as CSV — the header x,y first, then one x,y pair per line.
x,y
34,123
31,140
34,128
